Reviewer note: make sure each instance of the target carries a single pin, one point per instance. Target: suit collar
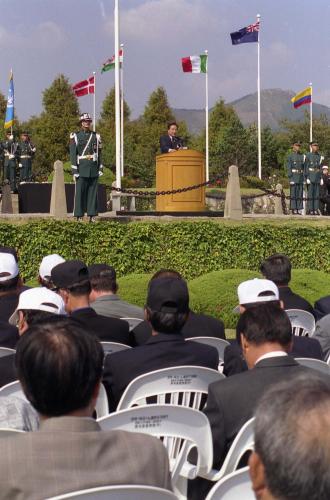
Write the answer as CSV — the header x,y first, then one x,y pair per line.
x,y
69,424
84,311
277,361
165,337
106,298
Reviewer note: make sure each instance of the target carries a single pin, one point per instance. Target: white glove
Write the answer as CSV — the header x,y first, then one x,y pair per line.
x,y
291,183
75,177
308,181
321,182
20,165
100,173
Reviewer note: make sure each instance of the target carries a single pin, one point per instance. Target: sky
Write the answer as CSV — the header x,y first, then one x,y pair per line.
x,y
40,39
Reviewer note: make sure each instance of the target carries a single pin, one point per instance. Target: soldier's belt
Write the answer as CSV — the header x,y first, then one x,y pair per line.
x,y
295,171
25,156
314,169
7,154
86,157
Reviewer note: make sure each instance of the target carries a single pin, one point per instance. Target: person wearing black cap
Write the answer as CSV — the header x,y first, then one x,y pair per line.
x,y
295,169
71,280
26,151
313,178
166,310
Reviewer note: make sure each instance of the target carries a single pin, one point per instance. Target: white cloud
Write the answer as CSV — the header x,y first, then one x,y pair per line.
x,y
45,36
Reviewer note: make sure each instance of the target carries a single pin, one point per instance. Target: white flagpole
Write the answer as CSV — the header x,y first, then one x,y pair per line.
x,y
117,95
259,110
122,110
94,106
207,116
311,115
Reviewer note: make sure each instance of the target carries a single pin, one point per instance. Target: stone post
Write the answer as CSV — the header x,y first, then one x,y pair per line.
x,y
233,204
58,207
278,200
7,205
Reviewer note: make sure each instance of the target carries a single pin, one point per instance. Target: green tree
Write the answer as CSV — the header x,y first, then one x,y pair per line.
x,y
3,107
157,111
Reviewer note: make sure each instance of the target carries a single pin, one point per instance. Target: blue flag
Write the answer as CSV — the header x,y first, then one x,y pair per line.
x,y
246,35
9,120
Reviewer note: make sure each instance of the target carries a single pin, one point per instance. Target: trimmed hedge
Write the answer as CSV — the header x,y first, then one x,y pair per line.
x,y
193,248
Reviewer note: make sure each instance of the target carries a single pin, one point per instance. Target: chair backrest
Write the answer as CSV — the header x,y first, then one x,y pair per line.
x,y
219,344
111,347
316,364
12,389
133,322
175,425
235,486
102,405
328,360
302,322
9,432
179,385
121,492
5,351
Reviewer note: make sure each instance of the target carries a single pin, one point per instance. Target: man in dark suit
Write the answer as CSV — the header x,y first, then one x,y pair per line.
x,y
171,142
277,268
71,278
322,307
197,325
166,310
59,365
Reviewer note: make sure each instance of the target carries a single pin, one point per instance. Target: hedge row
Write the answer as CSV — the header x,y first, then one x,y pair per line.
x,y
193,248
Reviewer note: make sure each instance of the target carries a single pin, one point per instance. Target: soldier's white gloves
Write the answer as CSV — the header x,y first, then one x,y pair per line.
x,y
20,165
75,176
291,183
321,182
308,181
100,170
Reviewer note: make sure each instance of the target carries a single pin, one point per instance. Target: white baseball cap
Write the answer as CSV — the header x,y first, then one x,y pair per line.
x,y
8,267
38,299
47,264
253,291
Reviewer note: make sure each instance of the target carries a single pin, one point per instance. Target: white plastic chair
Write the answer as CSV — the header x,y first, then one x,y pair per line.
x,y
121,492
5,351
111,347
302,322
316,364
133,322
179,385
219,344
243,442
328,360
9,432
13,389
180,429
235,486
102,405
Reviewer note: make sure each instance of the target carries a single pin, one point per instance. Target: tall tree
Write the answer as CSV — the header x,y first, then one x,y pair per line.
x,y
157,111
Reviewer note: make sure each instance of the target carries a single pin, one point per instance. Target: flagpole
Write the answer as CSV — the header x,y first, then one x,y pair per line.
x,y
259,110
207,116
94,105
122,110
117,95
311,115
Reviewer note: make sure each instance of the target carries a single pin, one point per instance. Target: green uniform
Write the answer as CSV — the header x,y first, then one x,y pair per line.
x,y
313,173
295,169
10,148
26,152
85,149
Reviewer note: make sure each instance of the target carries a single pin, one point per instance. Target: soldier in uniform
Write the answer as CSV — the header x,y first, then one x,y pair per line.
x,y
295,169
85,157
10,148
26,152
312,169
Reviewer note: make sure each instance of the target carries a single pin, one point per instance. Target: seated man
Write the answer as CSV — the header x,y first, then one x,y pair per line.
x,y
45,269
197,325
171,142
322,307
10,284
166,310
59,365
71,278
292,441
277,268
103,297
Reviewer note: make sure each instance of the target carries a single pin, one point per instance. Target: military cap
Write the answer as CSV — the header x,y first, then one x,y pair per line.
x,y
314,143
325,167
296,143
85,117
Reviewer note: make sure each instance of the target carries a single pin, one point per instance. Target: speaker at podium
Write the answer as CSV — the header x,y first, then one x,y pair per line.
x,y
177,170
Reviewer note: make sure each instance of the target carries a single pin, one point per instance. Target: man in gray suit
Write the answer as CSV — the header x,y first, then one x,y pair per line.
x,y
59,365
103,297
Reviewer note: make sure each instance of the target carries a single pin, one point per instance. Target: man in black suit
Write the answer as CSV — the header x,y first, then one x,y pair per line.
x,y
197,325
72,281
277,268
166,310
322,307
170,142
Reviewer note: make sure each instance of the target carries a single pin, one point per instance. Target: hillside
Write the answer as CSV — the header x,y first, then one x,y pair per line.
x,y
275,106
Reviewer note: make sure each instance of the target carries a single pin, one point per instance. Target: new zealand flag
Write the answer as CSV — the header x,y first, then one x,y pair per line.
x,y
246,35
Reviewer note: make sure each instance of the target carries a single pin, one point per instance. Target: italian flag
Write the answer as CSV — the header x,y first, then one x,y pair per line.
x,y
110,63
195,64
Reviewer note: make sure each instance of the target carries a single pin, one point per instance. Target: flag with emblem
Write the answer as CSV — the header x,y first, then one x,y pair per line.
x,y
110,63
9,120
84,87
248,34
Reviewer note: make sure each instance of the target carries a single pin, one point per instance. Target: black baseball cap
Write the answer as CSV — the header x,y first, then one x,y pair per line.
x,y
97,270
69,273
168,295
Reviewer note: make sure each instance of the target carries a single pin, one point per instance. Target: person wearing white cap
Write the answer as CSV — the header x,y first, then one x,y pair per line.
x,y
255,291
10,284
45,269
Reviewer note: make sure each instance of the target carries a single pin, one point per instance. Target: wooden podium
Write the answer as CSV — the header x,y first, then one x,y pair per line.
x,y
176,170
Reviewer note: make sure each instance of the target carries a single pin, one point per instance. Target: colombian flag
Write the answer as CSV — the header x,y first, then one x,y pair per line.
x,y
304,97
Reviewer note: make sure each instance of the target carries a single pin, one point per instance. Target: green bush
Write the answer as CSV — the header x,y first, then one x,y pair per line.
x,y
193,248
